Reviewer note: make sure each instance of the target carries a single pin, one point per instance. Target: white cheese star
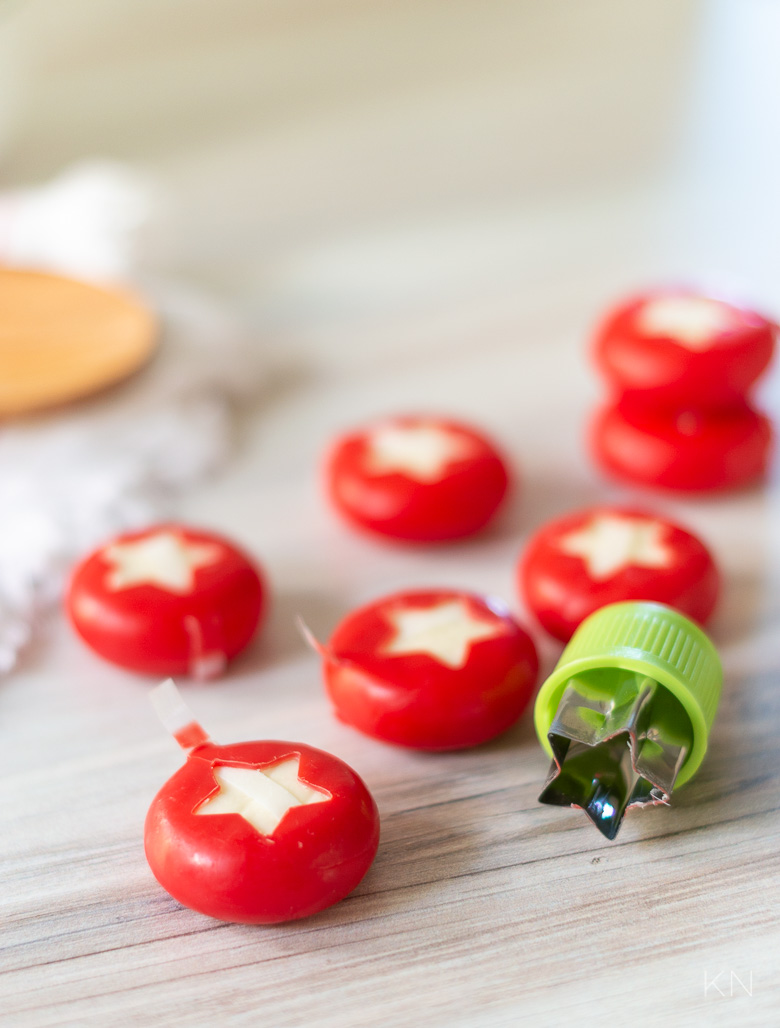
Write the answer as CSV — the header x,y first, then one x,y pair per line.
x,y
609,543
445,632
262,797
421,451
164,559
692,321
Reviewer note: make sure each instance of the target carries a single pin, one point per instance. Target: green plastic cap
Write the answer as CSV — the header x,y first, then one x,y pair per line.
x,y
650,639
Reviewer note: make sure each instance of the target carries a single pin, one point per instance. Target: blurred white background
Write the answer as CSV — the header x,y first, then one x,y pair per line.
x,y
360,178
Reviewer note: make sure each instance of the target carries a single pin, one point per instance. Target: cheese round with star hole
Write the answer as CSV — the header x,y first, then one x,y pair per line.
x,y
431,670
261,832
578,563
416,479
169,600
685,449
683,347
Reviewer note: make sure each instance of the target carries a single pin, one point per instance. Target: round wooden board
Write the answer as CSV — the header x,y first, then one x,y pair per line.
x,y
61,339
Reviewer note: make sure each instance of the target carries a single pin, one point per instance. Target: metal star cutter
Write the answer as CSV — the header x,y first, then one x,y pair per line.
x,y
627,711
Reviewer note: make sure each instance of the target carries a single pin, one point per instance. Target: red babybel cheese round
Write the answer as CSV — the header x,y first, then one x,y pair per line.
x,y
590,558
705,450
683,347
261,832
432,670
167,600
416,479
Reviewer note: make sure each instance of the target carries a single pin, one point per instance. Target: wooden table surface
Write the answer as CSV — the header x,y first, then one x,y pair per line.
x,y
483,907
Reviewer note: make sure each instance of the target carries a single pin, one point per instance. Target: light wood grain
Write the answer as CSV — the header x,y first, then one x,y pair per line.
x,y
482,905
373,289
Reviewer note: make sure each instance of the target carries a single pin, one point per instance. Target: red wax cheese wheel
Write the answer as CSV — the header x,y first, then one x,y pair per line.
x,y
685,450
169,600
432,670
416,479
261,832
589,558
683,347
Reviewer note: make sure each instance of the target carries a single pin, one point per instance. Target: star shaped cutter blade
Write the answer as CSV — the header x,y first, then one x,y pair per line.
x,y
627,711
615,752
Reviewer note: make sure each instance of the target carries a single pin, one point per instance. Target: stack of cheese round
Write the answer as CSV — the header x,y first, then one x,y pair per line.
x,y
681,366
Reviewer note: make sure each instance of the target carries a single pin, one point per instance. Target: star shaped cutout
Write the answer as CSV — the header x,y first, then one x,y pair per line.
x,y
164,559
262,797
692,321
609,543
445,632
421,451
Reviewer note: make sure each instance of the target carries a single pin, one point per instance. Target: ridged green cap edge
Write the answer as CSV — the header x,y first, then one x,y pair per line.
x,y
651,639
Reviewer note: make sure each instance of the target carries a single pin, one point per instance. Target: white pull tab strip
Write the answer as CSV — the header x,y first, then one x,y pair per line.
x,y
310,638
176,716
